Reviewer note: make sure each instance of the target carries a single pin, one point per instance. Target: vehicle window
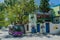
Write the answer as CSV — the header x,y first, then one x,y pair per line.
x,y
18,28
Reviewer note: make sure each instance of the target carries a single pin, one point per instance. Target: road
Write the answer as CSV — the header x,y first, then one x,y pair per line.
x,y
5,36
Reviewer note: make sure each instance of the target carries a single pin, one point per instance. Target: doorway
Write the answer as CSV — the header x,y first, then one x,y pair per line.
x,y
47,28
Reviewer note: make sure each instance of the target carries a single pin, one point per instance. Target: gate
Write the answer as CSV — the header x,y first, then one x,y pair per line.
x,y
33,30
38,27
47,28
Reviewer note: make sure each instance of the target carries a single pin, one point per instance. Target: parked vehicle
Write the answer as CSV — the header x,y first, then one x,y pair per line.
x,y
0,27
16,30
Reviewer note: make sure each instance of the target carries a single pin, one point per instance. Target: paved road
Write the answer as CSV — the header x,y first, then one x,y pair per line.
x,y
5,36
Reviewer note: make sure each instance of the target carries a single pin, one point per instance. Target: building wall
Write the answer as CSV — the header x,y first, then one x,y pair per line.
x,y
32,21
54,28
56,20
56,9
44,30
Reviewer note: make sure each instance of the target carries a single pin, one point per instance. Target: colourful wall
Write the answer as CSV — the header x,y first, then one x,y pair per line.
x,y
56,9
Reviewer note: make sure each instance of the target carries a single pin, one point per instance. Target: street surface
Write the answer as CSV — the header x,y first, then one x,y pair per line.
x,y
5,36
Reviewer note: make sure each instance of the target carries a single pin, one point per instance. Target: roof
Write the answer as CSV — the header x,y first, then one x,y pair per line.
x,y
56,5
56,13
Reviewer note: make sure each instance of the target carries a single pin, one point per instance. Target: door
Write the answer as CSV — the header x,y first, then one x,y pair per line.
x,y
33,30
38,27
47,28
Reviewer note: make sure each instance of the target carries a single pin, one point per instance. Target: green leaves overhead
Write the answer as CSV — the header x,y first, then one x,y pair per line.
x,y
17,11
44,6
2,18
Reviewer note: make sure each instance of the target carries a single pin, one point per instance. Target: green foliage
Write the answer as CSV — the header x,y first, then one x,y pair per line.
x,y
30,6
11,2
2,6
2,18
16,10
44,6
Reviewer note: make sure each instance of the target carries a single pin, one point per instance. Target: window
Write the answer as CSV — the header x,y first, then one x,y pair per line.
x,y
32,17
56,20
58,12
27,28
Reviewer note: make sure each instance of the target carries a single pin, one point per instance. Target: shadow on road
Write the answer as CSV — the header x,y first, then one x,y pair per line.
x,y
9,36
31,35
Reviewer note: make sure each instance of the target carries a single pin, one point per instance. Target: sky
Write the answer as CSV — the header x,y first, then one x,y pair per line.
x,y
52,2
1,0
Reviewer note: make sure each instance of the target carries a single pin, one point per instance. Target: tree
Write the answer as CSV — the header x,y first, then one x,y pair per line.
x,y
30,6
2,6
11,2
44,6
15,12
20,10
2,18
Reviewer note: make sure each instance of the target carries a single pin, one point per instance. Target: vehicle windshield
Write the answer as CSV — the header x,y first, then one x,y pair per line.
x,y
18,28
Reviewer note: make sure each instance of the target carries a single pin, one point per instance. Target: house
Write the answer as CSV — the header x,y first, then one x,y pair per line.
x,y
55,25
56,18
32,22
36,20
51,23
